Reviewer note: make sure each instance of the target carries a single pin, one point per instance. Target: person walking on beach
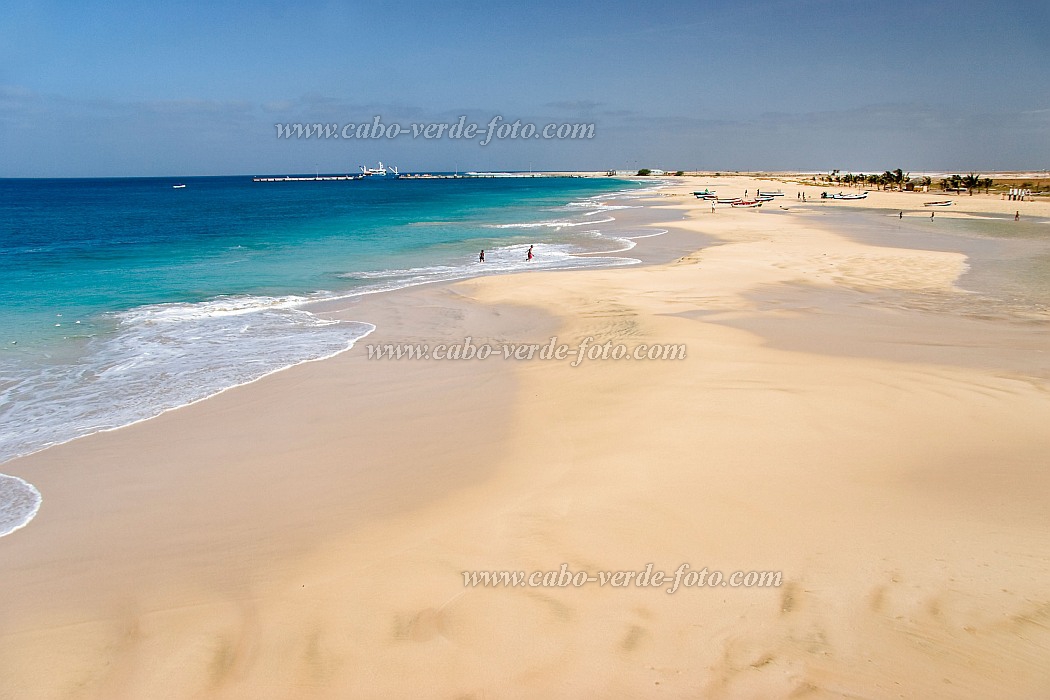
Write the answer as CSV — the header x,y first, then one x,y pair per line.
x,y
932,213
1017,216
481,258
901,216
528,258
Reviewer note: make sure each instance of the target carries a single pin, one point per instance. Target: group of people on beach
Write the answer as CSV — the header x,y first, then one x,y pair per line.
x,y
528,256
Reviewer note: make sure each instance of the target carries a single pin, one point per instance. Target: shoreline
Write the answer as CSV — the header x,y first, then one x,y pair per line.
x,y
297,531
335,299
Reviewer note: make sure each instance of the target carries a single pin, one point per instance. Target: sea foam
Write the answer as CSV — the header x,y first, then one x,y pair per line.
x,y
19,503
158,357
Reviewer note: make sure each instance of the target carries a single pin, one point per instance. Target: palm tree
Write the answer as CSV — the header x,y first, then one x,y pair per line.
x,y
898,178
927,180
972,181
956,182
987,184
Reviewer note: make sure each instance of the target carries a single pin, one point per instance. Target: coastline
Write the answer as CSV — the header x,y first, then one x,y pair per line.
x,y
236,304
296,531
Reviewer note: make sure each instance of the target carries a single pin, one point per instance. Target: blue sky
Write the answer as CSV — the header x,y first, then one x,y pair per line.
x,y
191,88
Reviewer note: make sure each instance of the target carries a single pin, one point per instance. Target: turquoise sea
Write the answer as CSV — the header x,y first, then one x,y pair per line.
x,y
122,298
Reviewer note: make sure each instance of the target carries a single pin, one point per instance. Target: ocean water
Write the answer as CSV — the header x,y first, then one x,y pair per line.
x,y
123,298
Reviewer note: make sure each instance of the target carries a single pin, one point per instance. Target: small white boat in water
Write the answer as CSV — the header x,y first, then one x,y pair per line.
x,y
178,187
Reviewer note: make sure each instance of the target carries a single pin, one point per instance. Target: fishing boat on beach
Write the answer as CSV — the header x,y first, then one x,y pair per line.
x,y
850,196
705,194
727,200
778,193
938,203
746,203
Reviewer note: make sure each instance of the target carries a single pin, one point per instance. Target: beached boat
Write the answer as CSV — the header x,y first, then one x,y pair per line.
x,y
763,198
746,203
704,194
939,203
778,193
853,195
727,200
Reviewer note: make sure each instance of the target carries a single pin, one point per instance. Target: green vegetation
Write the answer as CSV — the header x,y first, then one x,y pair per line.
x,y
972,181
900,180
890,178
645,171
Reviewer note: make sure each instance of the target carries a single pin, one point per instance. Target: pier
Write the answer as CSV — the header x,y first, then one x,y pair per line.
x,y
316,178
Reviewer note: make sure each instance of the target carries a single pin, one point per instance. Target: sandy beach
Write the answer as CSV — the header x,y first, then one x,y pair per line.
x,y
836,420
